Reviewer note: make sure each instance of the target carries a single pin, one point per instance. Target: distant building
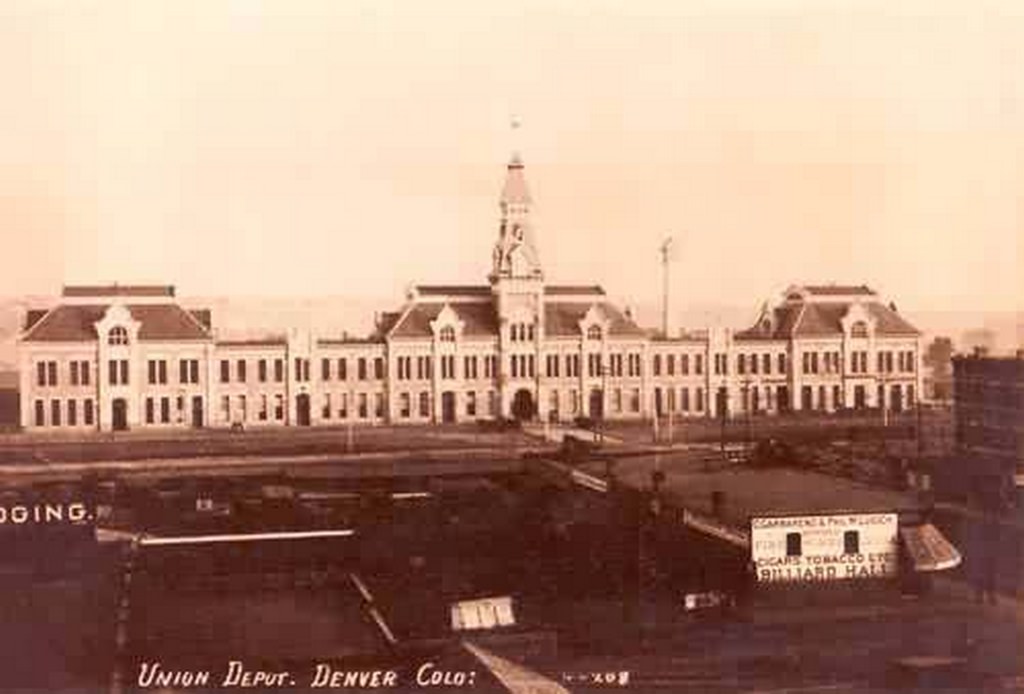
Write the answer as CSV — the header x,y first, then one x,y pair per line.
x,y
988,407
121,357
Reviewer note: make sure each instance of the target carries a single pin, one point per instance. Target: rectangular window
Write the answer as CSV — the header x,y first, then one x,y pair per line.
x,y
124,372
151,372
364,411
225,408
193,369
807,362
112,372
83,373
41,373
814,362
684,399
40,413
279,404
55,413
225,371
261,370
325,369
782,364
684,364
670,365
698,395
532,363
298,369
74,373
378,405
794,545
149,410
343,406
161,371
766,363
634,400
404,406
72,413
263,401
378,368
741,364
361,368
87,412
837,397
753,364
656,367
342,369
851,542
182,371
240,370
424,404
278,370
165,410
51,372
698,364
325,411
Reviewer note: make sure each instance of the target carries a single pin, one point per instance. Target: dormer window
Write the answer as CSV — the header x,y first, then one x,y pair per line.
x,y
447,334
594,332
117,336
859,329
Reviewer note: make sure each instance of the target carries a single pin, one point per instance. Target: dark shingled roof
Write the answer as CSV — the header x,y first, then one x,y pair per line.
x,y
70,323
813,319
562,319
480,319
454,289
838,290
574,290
275,341
119,290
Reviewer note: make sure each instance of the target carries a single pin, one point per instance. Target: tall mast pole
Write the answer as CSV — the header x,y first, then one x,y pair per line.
x,y
666,246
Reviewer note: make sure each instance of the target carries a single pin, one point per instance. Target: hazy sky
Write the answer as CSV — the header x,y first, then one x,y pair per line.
x,y
339,147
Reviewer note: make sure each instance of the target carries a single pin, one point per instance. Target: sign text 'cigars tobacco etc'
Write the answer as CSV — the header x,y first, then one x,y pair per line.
x,y
836,547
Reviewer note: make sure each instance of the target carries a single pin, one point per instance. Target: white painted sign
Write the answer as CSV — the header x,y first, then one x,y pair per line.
x,y
486,613
835,547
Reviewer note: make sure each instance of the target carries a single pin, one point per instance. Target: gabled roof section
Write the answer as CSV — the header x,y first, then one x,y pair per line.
x,y
75,323
119,290
823,319
479,318
562,319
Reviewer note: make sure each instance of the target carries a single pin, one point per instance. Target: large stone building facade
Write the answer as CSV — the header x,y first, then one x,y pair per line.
x,y
123,357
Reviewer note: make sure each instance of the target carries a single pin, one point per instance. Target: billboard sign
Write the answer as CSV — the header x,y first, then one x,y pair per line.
x,y
827,547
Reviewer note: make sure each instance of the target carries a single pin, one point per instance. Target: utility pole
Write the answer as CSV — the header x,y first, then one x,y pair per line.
x,y
665,247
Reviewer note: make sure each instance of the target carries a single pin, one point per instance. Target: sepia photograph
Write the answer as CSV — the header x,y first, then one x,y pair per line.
x,y
539,346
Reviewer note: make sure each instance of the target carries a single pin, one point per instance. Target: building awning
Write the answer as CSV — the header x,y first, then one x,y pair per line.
x,y
928,549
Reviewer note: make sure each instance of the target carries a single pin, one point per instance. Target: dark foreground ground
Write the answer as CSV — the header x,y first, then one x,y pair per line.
x,y
591,613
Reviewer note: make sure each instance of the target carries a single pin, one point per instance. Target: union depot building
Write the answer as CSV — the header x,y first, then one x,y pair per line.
x,y
130,357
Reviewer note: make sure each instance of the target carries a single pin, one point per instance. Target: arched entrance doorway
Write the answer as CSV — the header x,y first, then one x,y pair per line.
x,y
302,409
597,404
447,407
523,407
119,414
